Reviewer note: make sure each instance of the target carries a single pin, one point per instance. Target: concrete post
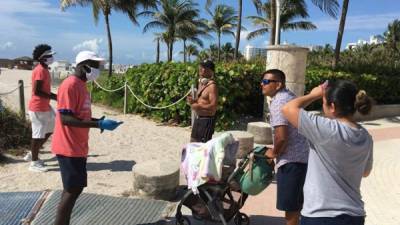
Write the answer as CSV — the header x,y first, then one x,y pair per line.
x,y
292,60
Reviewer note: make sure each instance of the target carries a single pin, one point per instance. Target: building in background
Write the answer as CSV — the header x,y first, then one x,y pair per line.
x,y
373,40
24,63
6,63
252,52
59,70
376,39
315,47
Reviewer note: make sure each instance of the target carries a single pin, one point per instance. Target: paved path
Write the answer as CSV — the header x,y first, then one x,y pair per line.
x,y
380,191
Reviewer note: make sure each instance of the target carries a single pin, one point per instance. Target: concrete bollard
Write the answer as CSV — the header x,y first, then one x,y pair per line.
x,y
246,142
262,132
156,179
292,60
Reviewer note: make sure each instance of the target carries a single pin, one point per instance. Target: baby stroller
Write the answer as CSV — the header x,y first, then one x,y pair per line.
x,y
221,201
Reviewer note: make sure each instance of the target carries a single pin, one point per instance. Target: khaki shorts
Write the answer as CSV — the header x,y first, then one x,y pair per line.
x,y
42,123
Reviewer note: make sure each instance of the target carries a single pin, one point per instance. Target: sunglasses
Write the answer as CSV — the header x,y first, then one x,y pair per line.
x,y
267,81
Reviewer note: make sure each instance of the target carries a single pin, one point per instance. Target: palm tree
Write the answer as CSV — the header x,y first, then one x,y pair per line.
x,y
392,35
223,20
175,15
340,32
160,37
291,10
126,6
191,50
328,6
193,35
228,52
238,28
158,49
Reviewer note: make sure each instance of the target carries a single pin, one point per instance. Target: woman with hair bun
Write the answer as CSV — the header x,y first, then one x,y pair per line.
x,y
340,153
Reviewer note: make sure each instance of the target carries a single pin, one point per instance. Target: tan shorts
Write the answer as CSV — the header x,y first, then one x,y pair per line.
x,y
42,123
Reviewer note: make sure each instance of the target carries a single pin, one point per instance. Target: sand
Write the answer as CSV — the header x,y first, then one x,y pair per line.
x,y
111,154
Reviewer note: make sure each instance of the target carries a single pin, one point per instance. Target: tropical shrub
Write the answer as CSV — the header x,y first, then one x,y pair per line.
x,y
238,84
163,84
383,89
15,132
370,59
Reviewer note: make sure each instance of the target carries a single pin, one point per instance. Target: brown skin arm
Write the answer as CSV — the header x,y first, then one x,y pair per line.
x,y
211,106
39,92
71,120
280,142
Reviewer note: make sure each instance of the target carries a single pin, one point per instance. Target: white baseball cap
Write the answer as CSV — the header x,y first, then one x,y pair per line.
x,y
88,55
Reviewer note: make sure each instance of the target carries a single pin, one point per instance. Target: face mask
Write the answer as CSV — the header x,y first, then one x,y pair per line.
x,y
49,61
93,74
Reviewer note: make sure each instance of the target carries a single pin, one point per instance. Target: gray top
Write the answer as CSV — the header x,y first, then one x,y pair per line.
x,y
297,146
339,156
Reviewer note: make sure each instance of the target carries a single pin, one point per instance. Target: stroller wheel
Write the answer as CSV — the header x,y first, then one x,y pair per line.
x,y
241,219
182,221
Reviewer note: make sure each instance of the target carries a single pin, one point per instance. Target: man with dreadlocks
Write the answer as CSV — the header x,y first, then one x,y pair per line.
x,y
40,112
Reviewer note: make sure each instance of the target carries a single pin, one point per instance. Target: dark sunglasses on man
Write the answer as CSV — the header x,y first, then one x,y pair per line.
x,y
267,81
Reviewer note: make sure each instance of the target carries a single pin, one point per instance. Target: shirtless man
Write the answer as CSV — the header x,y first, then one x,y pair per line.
x,y
205,104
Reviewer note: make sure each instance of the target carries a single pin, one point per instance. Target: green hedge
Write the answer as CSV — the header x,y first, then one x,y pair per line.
x,y
383,89
238,84
163,84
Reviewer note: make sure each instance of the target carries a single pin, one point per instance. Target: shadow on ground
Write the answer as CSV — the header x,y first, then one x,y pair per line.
x,y
114,166
266,220
254,220
394,119
5,159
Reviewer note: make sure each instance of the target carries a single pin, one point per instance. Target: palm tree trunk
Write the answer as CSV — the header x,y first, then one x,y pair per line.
x,y
184,50
171,50
110,58
189,57
340,33
167,43
219,46
236,54
273,21
158,51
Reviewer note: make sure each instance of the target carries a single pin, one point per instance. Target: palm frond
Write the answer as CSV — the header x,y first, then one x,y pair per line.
x,y
300,25
328,6
257,33
152,25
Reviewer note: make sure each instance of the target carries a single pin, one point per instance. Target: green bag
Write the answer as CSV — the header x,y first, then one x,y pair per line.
x,y
258,175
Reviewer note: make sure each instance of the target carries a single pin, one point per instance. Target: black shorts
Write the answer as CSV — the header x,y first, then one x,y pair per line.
x,y
73,171
290,181
338,220
203,129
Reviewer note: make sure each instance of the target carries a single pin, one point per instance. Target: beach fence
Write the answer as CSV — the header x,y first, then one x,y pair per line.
x,y
128,89
20,88
57,78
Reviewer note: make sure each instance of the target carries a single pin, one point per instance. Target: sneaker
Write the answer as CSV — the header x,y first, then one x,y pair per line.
x,y
28,157
37,166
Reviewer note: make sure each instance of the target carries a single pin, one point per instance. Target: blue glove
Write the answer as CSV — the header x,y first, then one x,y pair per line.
x,y
108,124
